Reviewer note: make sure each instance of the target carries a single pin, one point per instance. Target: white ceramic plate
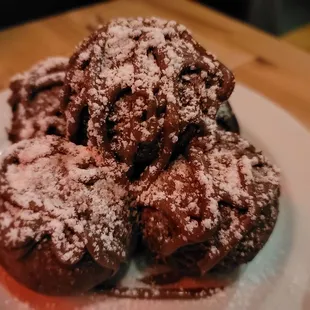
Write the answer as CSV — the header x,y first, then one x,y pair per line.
x,y
279,277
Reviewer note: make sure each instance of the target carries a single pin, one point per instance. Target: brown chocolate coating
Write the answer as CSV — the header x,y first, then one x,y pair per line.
x,y
65,224
190,260
253,241
218,205
35,100
135,86
40,270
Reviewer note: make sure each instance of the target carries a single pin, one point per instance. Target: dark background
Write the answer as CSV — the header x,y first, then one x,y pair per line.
x,y
14,12
273,16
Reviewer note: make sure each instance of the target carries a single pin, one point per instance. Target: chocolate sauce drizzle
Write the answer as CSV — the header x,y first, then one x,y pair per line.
x,y
206,205
145,91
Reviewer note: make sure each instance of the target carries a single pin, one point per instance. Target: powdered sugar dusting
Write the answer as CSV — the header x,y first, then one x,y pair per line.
x,y
63,190
35,100
221,168
41,69
146,78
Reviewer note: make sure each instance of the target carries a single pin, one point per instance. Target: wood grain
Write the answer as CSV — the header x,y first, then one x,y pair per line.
x,y
270,65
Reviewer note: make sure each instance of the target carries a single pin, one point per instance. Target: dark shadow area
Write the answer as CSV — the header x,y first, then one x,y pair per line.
x,y
15,12
274,16
237,8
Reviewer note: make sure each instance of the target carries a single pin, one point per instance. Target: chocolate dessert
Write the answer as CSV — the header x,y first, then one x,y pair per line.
x,y
135,86
216,206
35,100
136,130
65,224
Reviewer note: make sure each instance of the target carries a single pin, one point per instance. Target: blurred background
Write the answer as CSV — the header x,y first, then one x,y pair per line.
x,y
274,16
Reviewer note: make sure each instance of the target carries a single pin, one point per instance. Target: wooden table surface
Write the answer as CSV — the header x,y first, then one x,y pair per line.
x,y
299,37
267,64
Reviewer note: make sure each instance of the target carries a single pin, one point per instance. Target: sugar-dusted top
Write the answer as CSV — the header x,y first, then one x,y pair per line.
x,y
186,202
35,100
50,188
142,79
